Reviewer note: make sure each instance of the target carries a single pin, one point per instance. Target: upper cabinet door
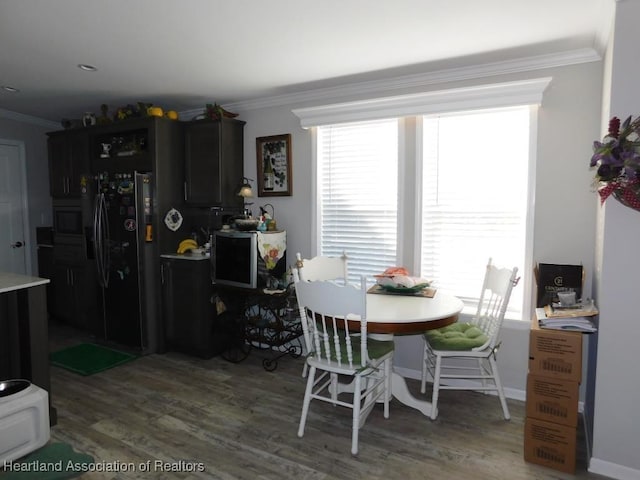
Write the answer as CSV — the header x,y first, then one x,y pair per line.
x,y
214,162
68,161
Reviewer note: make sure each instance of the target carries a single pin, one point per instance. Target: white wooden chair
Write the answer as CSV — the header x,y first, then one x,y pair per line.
x,y
473,344
337,350
319,268
322,268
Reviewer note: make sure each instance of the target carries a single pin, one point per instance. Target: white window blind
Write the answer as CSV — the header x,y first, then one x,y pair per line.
x,y
474,200
358,194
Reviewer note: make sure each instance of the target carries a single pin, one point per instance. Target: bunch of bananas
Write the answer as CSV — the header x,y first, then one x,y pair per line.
x,y
186,245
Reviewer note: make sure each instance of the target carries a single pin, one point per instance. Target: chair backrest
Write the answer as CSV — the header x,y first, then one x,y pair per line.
x,y
494,299
324,306
322,268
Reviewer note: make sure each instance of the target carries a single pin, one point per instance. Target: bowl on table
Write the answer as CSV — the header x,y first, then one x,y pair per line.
x,y
246,224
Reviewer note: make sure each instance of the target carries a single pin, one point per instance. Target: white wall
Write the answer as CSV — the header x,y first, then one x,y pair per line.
x,y
617,389
569,121
35,142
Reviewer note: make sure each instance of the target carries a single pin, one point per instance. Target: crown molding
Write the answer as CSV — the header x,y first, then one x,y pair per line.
x,y
19,117
506,94
388,86
383,87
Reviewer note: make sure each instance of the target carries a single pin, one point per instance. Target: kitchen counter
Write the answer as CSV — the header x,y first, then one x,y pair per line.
x,y
24,333
187,256
13,281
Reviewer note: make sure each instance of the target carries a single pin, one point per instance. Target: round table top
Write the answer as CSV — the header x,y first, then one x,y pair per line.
x,y
411,314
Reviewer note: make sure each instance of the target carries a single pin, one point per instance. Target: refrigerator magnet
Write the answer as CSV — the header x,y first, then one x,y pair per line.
x,y
130,225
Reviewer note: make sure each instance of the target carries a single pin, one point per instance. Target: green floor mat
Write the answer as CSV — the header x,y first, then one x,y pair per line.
x,y
88,358
54,461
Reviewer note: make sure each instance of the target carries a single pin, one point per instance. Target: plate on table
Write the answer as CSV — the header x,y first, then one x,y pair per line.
x,y
405,290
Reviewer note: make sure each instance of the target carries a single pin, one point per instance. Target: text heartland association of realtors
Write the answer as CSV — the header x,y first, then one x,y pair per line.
x,y
114,466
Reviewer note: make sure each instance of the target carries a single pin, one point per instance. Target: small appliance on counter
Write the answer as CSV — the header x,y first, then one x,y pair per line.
x,y
248,259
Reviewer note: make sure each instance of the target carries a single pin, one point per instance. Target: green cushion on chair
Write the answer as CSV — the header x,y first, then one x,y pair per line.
x,y
375,348
457,336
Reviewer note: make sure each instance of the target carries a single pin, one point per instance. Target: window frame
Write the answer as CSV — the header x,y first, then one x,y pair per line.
x,y
409,109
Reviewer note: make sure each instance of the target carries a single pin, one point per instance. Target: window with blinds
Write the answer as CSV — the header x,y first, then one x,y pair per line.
x,y
358,194
472,180
474,198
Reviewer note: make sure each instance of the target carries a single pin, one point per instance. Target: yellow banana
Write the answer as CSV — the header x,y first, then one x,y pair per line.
x,y
186,245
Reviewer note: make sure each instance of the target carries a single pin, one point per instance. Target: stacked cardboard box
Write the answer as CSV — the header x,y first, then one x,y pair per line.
x,y
555,368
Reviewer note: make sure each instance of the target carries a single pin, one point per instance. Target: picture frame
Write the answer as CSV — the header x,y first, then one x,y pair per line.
x,y
274,166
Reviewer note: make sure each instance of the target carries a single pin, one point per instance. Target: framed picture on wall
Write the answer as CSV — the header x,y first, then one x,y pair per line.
x,y
274,166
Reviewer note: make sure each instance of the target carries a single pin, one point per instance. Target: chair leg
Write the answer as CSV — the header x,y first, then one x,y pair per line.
x,y
436,388
305,370
334,388
481,372
307,400
496,377
387,386
423,378
357,396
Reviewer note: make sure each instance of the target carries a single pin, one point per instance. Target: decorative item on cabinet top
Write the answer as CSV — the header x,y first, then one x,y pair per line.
x,y
139,110
216,112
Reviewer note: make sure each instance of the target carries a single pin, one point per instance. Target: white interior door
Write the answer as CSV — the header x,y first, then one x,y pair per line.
x,y
12,229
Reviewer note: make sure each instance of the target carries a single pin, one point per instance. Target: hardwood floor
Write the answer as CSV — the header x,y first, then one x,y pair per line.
x,y
238,421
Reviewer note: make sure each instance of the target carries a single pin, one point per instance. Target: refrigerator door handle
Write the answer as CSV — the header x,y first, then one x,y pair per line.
x,y
101,240
97,244
105,240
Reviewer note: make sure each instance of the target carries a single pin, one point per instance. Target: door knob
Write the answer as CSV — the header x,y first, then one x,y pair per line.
x,y
17,245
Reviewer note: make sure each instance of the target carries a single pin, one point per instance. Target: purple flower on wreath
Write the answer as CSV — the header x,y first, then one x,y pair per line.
x,y
617,157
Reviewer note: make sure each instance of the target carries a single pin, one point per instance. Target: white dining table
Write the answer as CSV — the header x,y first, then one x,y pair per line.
x,y
389,315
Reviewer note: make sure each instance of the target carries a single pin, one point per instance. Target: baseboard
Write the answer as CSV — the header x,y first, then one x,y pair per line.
x,y
612,470
511,393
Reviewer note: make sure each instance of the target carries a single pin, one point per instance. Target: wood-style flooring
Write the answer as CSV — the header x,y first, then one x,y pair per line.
x,y
238,421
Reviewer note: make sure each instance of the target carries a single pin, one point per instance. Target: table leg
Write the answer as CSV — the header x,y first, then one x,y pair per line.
x,y
401,393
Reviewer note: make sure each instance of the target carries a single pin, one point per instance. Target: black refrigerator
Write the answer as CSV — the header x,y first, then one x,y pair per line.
x,y
124,254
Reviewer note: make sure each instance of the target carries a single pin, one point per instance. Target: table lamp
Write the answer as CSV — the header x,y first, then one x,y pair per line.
x,y
245,192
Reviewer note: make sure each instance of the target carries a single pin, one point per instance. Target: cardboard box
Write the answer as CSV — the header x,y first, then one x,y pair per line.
x,y
552,400
550,444
555,353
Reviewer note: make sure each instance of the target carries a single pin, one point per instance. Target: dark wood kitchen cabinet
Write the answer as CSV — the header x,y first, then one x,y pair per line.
x,y
188,310
214,154
74,294
68,162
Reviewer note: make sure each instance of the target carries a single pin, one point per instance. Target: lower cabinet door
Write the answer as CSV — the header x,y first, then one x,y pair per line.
x,y
74,292
188,311
62,293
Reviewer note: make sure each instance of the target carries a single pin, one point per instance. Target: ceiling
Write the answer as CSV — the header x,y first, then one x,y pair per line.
x,y
183,54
